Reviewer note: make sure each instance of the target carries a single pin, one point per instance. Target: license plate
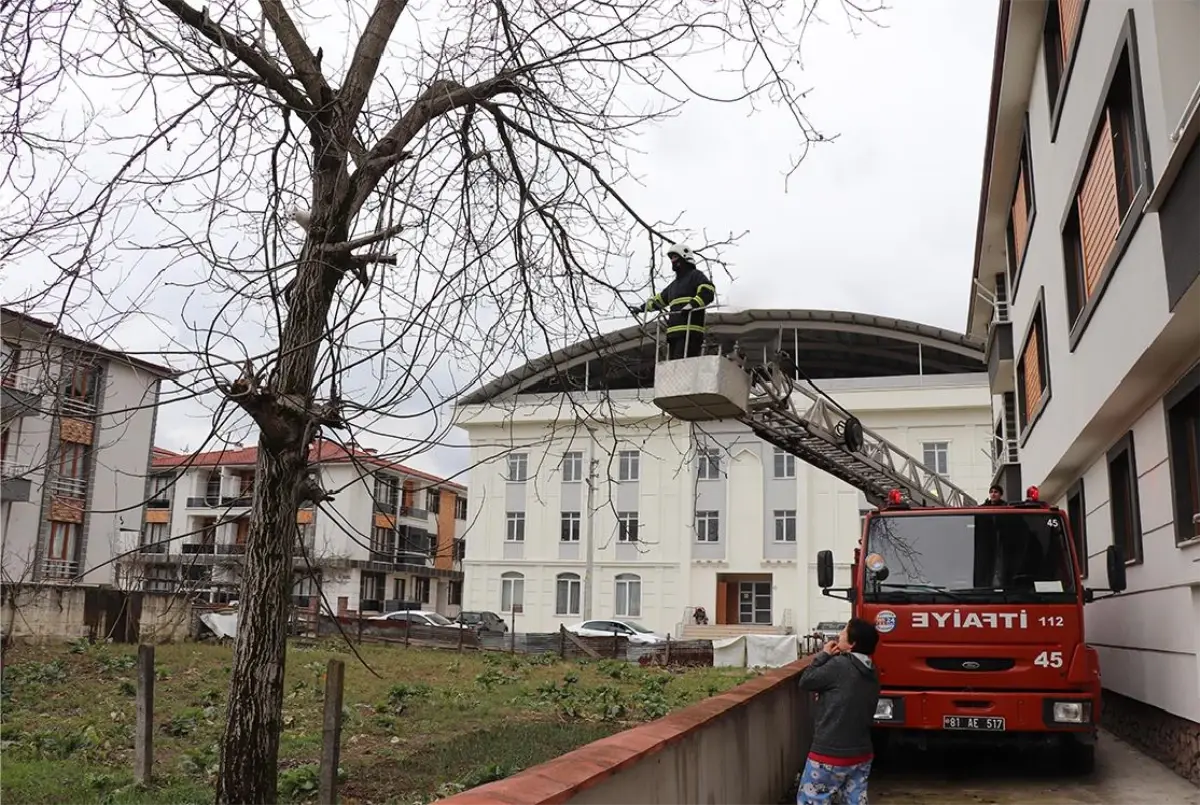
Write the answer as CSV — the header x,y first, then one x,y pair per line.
x,y
973,723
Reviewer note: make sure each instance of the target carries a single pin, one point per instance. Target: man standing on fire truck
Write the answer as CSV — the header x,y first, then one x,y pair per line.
x,y
684,300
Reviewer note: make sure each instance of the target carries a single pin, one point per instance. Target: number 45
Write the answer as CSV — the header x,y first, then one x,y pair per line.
x,y
1049,659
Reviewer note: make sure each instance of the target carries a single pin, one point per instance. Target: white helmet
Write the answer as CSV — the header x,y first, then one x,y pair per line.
x,y
682,250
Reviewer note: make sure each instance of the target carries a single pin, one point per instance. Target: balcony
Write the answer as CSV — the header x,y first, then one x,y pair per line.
x,y
385,506
214,548
76,407
241,501
999,355
13,487
19,395
415,513
159,502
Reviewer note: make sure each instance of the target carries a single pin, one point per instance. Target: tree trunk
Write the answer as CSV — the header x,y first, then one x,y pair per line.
x,y
253,720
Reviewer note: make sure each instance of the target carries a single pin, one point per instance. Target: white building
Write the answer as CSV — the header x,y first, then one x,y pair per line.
x,y
681,516
390,538
1089,238
77,426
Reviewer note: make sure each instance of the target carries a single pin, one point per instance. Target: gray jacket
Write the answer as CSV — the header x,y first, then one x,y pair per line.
x,y
848,689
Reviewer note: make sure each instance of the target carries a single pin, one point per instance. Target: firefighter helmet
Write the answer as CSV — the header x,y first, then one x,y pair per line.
x,y
683,251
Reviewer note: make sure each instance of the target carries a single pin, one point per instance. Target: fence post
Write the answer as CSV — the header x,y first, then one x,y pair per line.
x,y
332,732
462,627
615,643
562,642
143,742
360,626
667,661
407,630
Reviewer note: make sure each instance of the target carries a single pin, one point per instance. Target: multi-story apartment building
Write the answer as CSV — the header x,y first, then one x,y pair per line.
x,y
589,502
1089,251
391,537
77,424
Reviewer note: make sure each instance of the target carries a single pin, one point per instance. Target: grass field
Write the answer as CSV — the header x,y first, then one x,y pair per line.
x,y
432,723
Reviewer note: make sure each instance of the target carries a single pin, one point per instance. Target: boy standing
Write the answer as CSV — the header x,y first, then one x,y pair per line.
x,y
847,687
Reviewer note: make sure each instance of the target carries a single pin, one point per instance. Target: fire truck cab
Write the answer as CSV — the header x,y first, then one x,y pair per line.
x,y
980,616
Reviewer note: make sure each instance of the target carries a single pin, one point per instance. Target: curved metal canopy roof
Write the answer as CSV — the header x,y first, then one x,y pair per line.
x,y
828,343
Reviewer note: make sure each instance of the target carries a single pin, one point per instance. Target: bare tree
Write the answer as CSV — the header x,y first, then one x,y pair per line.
x,y
444,190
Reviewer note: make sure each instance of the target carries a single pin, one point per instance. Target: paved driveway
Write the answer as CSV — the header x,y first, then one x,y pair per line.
x,y
1124,776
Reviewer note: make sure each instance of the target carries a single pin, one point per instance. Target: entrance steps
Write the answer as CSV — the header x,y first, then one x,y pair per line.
x,y
725,630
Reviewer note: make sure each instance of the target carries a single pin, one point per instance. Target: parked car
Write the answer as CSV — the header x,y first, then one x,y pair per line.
x,y
418,617
624,628
829,630
483,622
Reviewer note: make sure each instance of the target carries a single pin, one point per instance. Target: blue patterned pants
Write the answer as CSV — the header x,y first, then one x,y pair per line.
x,y
823,783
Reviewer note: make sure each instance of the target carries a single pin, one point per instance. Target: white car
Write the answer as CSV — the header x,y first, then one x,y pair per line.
x,y
634,631
420,617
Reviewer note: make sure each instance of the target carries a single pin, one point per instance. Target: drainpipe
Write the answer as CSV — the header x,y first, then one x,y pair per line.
x,y
588,546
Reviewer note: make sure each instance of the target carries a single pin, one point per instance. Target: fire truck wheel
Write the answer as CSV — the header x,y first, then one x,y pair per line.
x,y
1079,758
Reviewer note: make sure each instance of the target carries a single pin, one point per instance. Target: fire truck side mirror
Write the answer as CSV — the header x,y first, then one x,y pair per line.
x,y
824,569
1115,559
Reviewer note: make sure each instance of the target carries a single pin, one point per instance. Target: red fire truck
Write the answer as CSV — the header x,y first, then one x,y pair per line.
x,y
980,615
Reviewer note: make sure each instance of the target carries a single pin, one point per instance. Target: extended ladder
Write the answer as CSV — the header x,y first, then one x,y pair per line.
x,y
822,434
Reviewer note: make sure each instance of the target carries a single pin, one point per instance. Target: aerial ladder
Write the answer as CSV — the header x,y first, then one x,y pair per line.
x,y
798,420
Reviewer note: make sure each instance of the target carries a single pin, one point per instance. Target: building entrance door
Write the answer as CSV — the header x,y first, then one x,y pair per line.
x,y
754,602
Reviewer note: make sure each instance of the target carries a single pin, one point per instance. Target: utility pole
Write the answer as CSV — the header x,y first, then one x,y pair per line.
x,y
588,545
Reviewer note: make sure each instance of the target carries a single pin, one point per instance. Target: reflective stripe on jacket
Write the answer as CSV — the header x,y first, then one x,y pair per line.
x,y
692,288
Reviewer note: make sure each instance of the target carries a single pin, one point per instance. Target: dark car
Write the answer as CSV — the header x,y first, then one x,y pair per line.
x,y
483,622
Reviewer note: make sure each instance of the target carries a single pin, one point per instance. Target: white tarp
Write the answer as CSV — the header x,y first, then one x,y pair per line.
x,y
223,624
729,652
771,650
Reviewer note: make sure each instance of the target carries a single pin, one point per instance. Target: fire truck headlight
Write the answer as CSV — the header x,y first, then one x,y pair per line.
x,y
885,710
1072,712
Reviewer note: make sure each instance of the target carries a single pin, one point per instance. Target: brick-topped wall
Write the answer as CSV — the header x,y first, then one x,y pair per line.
x,y
718,744
1167,738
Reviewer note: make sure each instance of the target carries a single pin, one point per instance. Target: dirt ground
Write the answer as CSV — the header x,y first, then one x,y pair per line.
x,y
1123,776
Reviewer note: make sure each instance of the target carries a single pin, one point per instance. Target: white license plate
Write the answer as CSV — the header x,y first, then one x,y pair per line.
x,y
973,723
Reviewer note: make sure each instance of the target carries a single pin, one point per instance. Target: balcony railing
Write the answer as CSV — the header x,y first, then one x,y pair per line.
x,y
214,548
385,506
59,569
11,469
158,502
20,382
69,487
153,547
74,406
220,501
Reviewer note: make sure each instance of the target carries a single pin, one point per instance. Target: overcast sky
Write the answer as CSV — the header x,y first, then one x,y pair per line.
x,y
880,221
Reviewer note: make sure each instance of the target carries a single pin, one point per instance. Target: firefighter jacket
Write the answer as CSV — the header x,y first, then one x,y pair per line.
x,y
685,300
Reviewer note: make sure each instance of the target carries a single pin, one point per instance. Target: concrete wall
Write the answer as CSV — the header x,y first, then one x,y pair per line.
x,y
676,570
47,613
713,751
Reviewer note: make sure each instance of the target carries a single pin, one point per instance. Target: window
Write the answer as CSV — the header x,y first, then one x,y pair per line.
x,y
454,594
1033,372
1021,213
460,508
518,467
629,596
1183,450
516,527
785,525
161,487
421,586
937,456
63,541
568,590
512,592
72,470
1123,499
372,588
433,501
570,527
155,537
785,464
398,589
1063,18
627,526
387,492
708,526
383,540
1077,514
627,465
10,361
1110,191
708,465
81,388
572,467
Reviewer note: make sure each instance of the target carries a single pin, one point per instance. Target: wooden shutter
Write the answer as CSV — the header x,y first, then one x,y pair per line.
x,y
1031,361
1020,219
1099,207
1068,21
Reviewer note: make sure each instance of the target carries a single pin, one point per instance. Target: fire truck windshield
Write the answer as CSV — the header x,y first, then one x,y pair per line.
x,y
1009,556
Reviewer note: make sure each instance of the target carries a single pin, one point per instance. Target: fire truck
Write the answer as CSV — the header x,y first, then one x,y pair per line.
x,y
980,616
979,608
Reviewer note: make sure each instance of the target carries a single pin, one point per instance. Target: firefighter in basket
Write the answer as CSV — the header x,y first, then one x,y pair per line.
x,y
685,300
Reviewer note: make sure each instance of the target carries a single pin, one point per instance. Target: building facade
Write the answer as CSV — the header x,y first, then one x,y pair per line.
x,y
78,425
391,538
1086,266
594,504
